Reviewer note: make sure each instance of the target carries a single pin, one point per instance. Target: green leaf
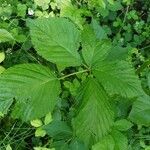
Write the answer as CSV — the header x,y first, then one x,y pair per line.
x,y
2,56
93,50
72,12
48,118
40,132
8,147
5,36
123,125
36,123
94,102
115,141
118,78
52,39
2,69
58,130
43,3
34,87
121,141
98,30
107,143
140,113
77,145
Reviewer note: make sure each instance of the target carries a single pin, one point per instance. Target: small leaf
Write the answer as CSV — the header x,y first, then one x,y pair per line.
x,y
140,112
2,69
40,132
5,36
48,118
36,123
123,125
2,56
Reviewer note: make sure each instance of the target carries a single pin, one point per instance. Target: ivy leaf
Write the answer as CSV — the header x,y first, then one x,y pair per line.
x,y
93,50
34,87
118,78
5,36
56,40
94,102
140,112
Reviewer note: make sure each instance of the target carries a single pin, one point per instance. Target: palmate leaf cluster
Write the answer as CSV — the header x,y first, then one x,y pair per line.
x,y
33,90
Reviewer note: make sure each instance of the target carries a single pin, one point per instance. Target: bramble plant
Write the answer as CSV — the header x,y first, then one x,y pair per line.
x,y
80,89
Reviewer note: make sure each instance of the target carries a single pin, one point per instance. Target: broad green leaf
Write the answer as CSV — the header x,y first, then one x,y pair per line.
x,y
5,36
122,125
98,30
34,87
115,141
77,145
121,141
56,40
140,112
93,50
118,53
58,130
95,117
36,123
6,98
118,78
107,143
2,56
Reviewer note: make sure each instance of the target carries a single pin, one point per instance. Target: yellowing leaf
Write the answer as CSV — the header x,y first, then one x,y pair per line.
x,y
40,132
36,123
8,147
48,118
2,56
2,69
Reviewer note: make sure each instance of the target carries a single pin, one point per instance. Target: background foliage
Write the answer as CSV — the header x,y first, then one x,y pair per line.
x,y
114,44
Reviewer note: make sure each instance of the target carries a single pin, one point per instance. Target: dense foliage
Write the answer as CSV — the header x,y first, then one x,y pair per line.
x,y
75,75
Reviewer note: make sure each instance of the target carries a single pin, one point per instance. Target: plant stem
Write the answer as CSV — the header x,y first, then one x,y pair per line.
x,y
75,73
